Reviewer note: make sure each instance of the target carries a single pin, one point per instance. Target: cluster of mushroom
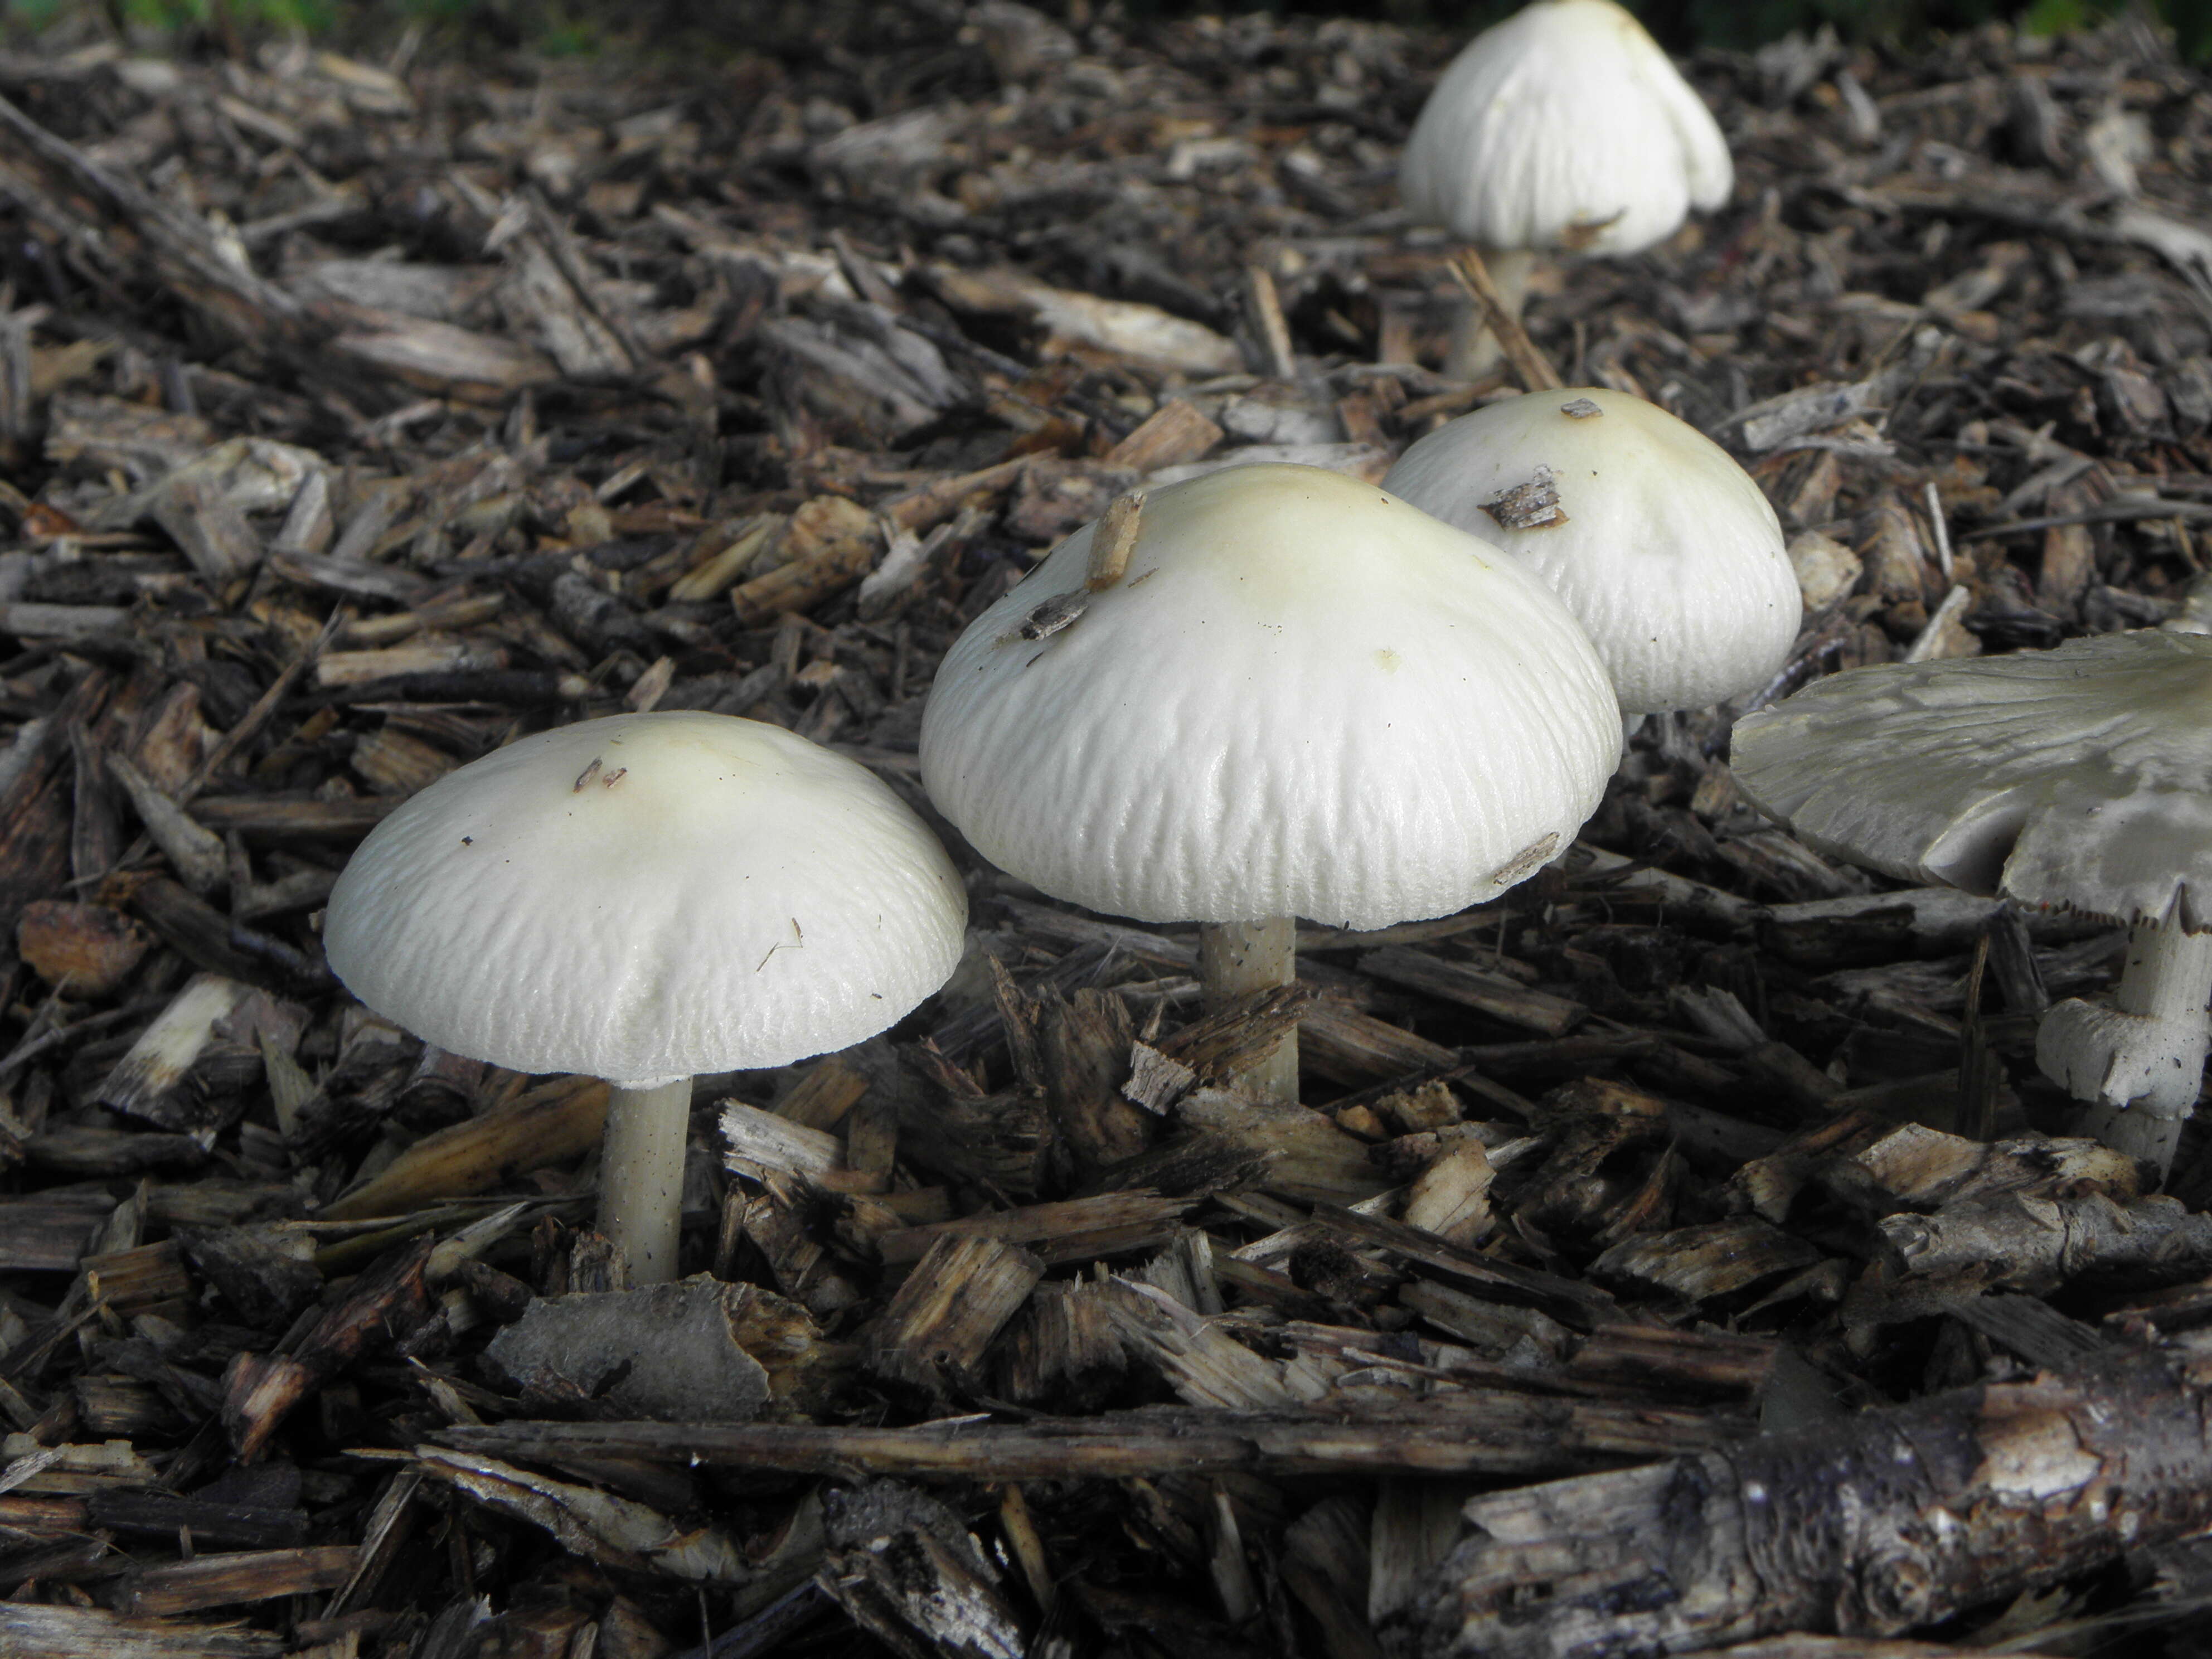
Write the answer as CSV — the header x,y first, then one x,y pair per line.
x,y
2073,778
1270,693
1277,692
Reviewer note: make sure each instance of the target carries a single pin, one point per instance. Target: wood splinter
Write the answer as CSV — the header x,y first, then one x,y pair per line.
x,y
1114,540
1867,1526
1533,369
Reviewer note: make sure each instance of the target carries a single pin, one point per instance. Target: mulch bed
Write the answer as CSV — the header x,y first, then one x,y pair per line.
x,y
354,419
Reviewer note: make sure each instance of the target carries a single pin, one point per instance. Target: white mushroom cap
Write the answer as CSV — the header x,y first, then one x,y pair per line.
x,y
648,898
1564,128
2080,776
1304,697
1665,549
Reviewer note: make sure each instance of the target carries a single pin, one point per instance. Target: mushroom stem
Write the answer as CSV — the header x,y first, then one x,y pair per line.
x,y
2139,1062
1474,351
1235,958
642,1175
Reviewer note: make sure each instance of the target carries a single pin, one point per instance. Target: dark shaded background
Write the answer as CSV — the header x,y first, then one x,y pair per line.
x,y
584,25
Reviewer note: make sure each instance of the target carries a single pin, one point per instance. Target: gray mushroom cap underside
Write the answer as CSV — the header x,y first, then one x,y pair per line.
x,y
2077,778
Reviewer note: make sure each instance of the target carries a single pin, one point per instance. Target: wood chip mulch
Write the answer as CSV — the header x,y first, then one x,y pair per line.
x,y
356,417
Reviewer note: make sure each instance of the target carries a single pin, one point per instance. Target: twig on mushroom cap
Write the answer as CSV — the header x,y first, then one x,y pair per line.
x,y
1666,551
1118,529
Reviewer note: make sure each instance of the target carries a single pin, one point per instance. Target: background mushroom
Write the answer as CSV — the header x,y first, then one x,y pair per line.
x,y
1563,130
644,898
2079,777
1666,551
1303,697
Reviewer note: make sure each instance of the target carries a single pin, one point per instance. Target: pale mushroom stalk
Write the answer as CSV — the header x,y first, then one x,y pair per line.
x,y
2140,1060
1235,958
1474,351
641,1175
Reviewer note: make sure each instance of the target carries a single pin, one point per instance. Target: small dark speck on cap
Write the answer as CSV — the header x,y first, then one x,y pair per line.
x,y
468,840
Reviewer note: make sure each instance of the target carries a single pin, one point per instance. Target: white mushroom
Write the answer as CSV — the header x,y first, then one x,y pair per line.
x,y
645,898
1302,697
2079,777
1564,129
1666,551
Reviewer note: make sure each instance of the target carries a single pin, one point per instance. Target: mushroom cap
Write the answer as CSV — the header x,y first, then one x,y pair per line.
x,y
647,897
1564,128
1304,697
2078,777
1667,552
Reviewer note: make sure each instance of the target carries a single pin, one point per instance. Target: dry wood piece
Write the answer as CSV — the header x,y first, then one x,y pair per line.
x,y
1089,1062
1119,527
183,1072
959,1296
1504,323
2024,1242
1064,1346
1378,1432
1219,1046
628,1535
683,1352
1347,1046
1705,1364
384,1304
760,1141
217,1580
778,1224
1868,1527
1173,434
1503,1000
139,1280
88,950
214,1524
829,545
1451,1197
1915,1167
1074,1230
906,1569
1715,1260
828,1089
96,1633
560,1120
49,1232
1309,1157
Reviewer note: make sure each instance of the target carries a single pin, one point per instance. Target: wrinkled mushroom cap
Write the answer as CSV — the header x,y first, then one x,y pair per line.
x,y
1564,128
1304,697
2079,777
1665,549
648,898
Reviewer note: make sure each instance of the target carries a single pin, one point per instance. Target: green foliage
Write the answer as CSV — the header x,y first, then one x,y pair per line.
x,y
279,15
